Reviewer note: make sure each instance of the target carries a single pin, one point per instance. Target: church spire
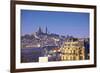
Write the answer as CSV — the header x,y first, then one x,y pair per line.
x,y
46,30
39,30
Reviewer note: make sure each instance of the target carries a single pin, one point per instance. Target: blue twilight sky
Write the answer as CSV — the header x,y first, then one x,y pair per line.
x,y
62,23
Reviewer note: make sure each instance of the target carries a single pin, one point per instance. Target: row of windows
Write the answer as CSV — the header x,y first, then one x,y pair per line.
x,y
73,44
71,48
73,51
76,54
72,58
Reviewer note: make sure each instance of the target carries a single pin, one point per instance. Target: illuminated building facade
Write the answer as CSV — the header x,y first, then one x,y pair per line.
x,y
72,50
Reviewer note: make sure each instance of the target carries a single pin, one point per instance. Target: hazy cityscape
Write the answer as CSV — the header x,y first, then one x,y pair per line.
x,y
50,45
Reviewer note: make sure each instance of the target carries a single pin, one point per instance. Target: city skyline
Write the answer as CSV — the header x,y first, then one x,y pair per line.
x,y
62,23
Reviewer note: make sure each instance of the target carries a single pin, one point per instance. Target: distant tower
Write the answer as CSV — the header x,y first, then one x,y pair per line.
x,y
40,30
46,30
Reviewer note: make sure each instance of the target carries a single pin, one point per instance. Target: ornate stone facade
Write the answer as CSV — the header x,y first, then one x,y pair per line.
x,y
72,50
